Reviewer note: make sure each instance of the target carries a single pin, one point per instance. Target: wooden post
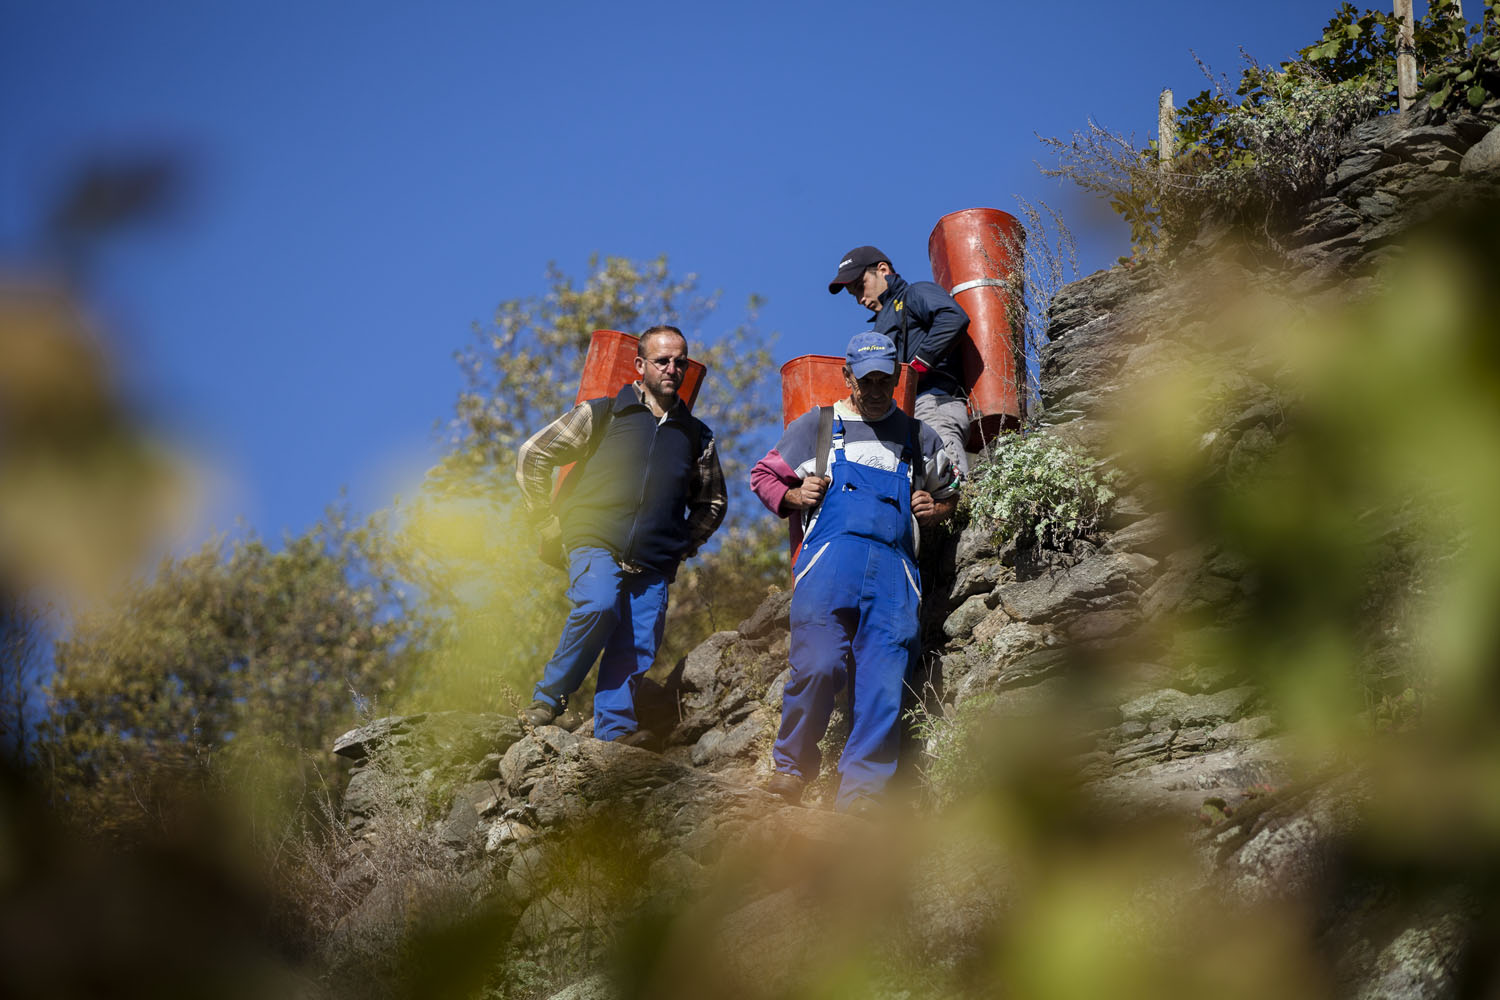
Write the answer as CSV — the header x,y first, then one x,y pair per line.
x,y
1166,130
1406,57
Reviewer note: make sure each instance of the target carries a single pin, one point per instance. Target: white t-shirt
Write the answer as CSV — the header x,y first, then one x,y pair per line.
x,y
878,444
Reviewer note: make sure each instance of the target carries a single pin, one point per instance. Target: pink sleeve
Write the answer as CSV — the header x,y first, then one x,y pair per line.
x,y
771,478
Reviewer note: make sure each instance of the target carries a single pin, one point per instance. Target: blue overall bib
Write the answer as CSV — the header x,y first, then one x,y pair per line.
x,y
854,620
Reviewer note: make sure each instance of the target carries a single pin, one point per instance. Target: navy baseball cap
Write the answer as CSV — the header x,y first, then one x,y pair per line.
x,y
870,352
855,263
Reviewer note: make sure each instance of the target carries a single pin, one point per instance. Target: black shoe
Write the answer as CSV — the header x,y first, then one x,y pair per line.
x,y
787,786
539,714
569,720
863,807
639,738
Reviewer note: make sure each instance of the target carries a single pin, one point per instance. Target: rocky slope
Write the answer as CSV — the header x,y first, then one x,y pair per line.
x,y
1097,661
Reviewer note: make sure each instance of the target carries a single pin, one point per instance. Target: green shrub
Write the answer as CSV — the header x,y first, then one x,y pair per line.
x,y
1468,76
1251,164
1256,163
1253,157
1039,490
952,763
1458,61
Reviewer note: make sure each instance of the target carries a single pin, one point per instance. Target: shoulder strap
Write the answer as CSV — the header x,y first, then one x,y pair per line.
x,y
916,459
604,411
902,353
825,441
601,412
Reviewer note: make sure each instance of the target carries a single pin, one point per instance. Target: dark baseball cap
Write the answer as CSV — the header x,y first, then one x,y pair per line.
x,y
855,263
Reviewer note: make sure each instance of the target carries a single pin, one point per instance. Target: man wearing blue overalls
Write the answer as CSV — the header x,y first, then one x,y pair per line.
x,y
857,594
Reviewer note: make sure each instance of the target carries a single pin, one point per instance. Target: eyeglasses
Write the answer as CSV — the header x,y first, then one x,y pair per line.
x,y
669,364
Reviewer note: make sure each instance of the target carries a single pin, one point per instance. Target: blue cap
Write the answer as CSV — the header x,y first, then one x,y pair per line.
x,y
871,352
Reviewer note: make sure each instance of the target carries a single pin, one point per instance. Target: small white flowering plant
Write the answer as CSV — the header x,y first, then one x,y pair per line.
x,y
1039,491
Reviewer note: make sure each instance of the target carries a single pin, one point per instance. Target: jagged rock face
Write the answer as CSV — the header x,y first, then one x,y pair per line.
x,y
1396,170
1099,641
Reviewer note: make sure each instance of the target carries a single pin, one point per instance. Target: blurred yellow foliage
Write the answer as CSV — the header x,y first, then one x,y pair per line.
x,y
85,493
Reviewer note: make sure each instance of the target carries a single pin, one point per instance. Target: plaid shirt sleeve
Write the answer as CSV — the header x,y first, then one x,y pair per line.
x,y
709,498
560,442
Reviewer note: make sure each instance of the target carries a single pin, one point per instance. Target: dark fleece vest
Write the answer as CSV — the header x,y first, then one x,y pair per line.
x,y
632,498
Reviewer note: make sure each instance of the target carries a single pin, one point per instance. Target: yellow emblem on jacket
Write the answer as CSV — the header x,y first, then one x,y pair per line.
x,y
899,304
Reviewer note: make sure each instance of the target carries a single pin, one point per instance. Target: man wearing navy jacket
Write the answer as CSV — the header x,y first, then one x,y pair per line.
x,y
925,323
650,495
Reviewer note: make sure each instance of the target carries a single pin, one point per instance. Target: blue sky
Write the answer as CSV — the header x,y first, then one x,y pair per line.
x,y
367,180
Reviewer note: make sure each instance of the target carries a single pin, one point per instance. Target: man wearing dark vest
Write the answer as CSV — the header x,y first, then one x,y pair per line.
x,y
861,475
648,497
925,323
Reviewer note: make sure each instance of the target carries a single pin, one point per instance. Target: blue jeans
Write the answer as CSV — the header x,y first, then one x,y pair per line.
x,y
618,613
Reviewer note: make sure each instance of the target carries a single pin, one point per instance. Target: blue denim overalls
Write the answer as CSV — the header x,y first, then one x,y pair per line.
x,y
854,619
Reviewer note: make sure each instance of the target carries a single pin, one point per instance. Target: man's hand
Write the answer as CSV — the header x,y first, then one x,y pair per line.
x,y
808,495
928,511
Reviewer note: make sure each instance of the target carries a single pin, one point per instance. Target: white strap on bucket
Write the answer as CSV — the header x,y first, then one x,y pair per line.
x,y
976,283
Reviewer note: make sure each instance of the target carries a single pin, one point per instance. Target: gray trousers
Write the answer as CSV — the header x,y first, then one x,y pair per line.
x,y
949,416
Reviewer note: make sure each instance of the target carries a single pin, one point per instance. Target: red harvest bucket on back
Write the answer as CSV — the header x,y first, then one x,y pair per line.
x,y
818,380
975,255
609,367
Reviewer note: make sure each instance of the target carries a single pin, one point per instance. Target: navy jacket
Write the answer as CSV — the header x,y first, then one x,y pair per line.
x,y
923,321
632,499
